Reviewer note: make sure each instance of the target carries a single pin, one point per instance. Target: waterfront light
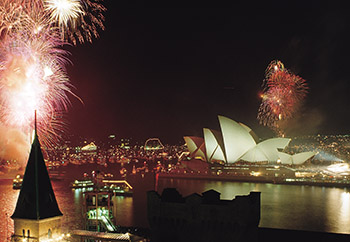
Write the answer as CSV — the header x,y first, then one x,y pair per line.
x,y
62,237
339,168
255,173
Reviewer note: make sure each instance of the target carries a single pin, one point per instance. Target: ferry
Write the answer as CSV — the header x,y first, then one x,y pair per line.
x,y
103,183
118,187
82,184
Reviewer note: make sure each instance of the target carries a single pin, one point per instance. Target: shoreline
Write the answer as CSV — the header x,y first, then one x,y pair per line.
x,y
60,174
251,179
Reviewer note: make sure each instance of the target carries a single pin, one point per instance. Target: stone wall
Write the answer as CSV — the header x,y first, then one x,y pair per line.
x,y
37,228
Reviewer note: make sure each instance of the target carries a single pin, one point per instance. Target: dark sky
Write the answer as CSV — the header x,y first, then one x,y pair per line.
x,y
167,69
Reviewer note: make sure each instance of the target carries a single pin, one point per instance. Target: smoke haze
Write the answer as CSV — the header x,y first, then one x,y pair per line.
x,y
14,145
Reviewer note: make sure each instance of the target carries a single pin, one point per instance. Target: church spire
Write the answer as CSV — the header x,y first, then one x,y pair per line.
x,y
35,127
36,199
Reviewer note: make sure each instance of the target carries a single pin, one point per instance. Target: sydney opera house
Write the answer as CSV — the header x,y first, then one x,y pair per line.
x,y
237,142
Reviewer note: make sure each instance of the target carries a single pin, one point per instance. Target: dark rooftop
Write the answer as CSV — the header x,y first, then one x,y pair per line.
x,y
36,199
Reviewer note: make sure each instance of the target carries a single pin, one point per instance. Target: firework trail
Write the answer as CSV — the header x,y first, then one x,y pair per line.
x,y
282,96
77,20
32,61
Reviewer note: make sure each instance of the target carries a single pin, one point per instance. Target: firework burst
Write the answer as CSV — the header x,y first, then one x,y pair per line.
x,y
78,20
282,97
32,63
31,78
64,12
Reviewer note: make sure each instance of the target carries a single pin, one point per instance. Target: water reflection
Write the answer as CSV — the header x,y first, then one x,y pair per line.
x,y
338,210
282,206
124,211
8,203
286,206
345,209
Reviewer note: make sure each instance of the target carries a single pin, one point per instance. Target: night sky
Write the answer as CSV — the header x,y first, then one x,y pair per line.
x,y
167,69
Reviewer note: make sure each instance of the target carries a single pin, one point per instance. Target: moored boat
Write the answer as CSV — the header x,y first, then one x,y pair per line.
x,y
82,184
118,187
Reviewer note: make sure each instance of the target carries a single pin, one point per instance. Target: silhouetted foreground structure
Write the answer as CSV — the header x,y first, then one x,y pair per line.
x,y
202,217
37,216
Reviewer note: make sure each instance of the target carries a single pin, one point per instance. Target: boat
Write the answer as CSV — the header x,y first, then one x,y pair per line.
x,y
118,187
103,183
82,184
17,182
85,182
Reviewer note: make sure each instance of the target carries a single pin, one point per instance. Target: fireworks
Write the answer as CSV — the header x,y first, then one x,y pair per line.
x,y
64,11
32,63
77,20
282,97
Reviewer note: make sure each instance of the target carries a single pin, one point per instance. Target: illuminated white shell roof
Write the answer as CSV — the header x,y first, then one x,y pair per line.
x,y
191,145
213,145
245,127
237,140
195,146
89,147
266,150
295,159
251,132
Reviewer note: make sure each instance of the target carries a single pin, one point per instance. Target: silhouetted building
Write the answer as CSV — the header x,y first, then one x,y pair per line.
x,y
202,217
37,216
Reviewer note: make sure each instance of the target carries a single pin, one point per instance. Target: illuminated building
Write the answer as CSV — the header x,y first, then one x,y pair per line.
x,y
125,143
98,209
214,145
89,147
153,144
295,159
237,142
196,147
37,216
111,136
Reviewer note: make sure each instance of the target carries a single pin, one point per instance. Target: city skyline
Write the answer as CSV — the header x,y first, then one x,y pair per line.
x,y
134,97
167,71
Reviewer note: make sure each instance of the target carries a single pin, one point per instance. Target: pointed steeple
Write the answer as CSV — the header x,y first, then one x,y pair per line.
x,y
36,199
35,127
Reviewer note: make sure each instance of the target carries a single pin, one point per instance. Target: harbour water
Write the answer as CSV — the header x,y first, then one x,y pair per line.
x,y
309,208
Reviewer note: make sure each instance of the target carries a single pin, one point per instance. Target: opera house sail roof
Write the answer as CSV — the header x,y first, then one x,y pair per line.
x,y
266,150
237,139
196,147
214,145
237,142
295,159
